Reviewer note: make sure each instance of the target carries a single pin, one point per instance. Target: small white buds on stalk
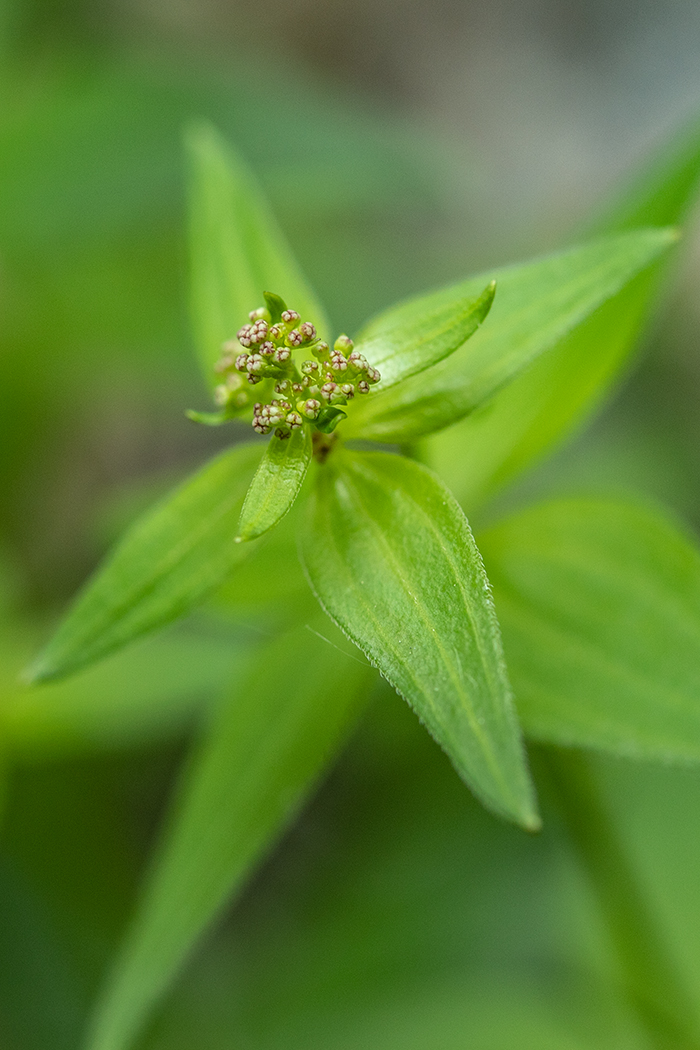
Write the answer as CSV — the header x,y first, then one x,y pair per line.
x,y
263,353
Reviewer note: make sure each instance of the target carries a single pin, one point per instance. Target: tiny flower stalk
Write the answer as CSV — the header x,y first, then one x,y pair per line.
x,y
301,401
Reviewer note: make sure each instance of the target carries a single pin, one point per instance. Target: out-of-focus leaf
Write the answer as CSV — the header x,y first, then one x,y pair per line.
x,y
237,249
149,692
538,303
599,602
664,189
557,392
391,558
411,337
276,484
167,562
274,736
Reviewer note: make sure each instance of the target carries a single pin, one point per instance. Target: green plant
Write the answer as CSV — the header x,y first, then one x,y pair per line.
x,y
599,600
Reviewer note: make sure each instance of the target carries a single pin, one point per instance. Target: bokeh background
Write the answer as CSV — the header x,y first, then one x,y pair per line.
x,y
403,143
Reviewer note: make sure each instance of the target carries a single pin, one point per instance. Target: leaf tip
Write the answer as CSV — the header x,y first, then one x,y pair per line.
x,y
40,670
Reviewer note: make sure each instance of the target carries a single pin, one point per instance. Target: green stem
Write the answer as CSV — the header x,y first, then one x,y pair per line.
x,y
652,983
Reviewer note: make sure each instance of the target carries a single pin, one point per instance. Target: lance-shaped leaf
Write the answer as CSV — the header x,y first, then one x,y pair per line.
x,y
237,250
413,336
558,392
599,601
280,726
276,484
391,558
169,561
152,692
537,305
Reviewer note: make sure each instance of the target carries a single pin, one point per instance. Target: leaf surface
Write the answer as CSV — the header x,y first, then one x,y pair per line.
x,y
553,396
279,727
404,341
599,602
538,304
237,250
167,562
276,484
392,560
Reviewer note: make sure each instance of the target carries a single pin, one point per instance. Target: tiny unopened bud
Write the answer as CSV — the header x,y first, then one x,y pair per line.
x,y
241,362
320,350
363,387
348,389
260,427
277,332
282,386
309,408
308,330
295,338
281,355
328,389
253,379
338,362
267,349
294,420
373,374
254,364
343,344
290,316
310,368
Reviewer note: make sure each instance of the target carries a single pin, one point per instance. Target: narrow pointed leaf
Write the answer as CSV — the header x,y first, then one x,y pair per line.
x,y
149,692
411,337
275,734
558,392
599,602
237,249
538,304
276,484
169,561
392,560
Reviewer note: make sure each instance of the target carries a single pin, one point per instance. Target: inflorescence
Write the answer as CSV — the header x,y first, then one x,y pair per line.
x,y
312,393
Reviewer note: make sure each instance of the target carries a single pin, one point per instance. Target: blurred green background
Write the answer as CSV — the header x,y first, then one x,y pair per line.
x,y
403,144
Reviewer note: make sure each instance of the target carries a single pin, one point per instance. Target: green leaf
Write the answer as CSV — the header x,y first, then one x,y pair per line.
x,y
413,336
538,304
599,602
390,556
280,726
558,392
167,563
237,249
329,417
276,484
149,692
209,419
276,306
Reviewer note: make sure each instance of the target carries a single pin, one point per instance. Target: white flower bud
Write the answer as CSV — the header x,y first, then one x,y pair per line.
x,y
290,316
307,330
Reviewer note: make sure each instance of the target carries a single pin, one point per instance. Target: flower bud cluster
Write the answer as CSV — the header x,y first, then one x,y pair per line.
x,y
264,351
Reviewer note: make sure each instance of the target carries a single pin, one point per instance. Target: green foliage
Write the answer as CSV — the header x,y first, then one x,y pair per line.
x,y
538,304
599,602
405,341
166,564
265,749
237,249
390,556
551,398
276,483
